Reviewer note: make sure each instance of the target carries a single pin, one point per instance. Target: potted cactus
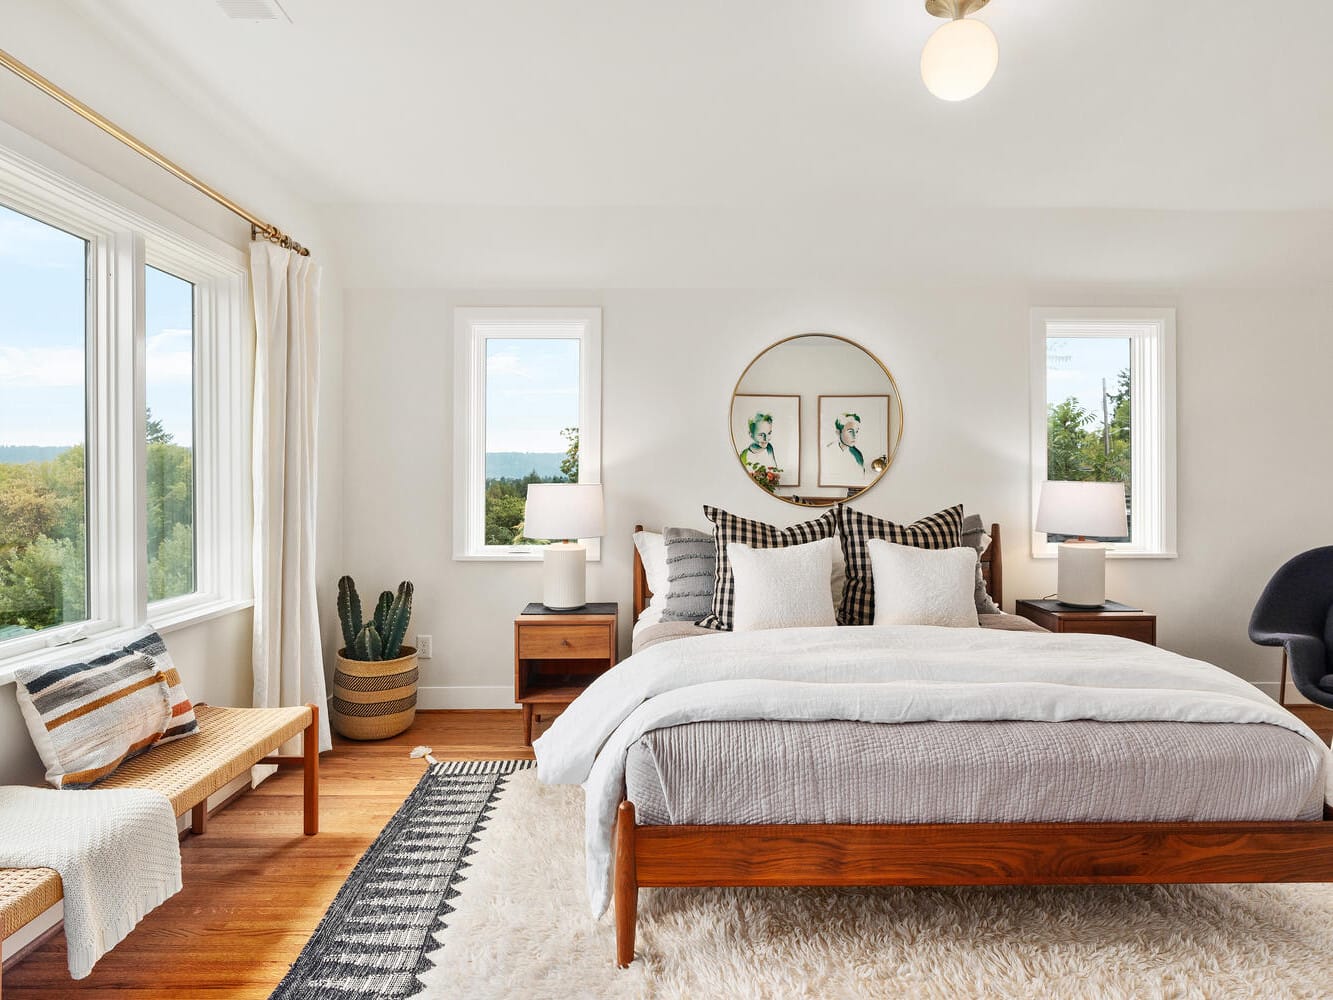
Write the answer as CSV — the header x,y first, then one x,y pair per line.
x,y
375,685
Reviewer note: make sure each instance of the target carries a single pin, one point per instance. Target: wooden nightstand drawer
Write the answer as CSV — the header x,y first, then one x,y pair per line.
x,y
1114,619
564,642
1140,629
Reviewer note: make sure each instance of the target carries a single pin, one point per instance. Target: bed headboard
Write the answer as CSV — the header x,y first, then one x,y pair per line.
x,y
992,571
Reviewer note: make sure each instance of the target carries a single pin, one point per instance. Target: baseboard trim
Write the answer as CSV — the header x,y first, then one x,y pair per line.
x,y
460,696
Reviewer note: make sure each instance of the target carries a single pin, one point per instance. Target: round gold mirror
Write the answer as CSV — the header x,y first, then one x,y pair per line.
x,y
816,419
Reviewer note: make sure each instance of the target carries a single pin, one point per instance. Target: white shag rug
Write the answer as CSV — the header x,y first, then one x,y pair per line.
x,y
521,929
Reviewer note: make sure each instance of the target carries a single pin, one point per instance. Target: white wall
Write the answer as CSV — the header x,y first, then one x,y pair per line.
x,y
1253,420
213,656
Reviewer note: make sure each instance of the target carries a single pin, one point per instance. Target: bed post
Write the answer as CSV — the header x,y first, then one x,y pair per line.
x,y
626,885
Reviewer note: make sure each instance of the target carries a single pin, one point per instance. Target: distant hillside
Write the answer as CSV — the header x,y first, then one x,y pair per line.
x,y
517,464
17,454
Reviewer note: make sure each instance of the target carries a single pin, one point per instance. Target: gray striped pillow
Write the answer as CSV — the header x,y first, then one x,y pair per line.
x,y
86,718
691,564
729,528
937,531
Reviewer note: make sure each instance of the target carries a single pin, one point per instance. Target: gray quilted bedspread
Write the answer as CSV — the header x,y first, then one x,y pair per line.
x,y
764,771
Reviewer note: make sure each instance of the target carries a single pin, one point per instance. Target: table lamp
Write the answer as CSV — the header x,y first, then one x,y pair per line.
x,y
1082,509
567,511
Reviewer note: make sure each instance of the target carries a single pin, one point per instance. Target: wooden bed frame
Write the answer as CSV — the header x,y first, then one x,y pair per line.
x,y
954,853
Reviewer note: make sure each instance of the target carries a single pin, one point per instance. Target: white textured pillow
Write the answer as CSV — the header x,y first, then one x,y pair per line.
x,y
782,588
652,550
923,586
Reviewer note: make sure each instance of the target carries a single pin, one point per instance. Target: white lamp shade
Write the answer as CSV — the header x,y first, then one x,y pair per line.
x,y
564,510
1096,509
959,59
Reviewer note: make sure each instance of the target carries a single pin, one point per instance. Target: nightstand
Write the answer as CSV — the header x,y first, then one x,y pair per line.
x,y
1113,619
557,654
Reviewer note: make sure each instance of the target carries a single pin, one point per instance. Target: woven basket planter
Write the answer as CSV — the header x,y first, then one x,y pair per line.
x,y
374,699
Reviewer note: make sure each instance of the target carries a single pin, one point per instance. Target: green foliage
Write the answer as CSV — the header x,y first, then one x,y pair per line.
x,y
506,498
569,465
42,584
1082,447
171,570
349,611
43,514
381,638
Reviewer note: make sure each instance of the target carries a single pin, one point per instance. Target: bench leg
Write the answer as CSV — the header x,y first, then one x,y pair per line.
x,y
626,886
199,817
310,765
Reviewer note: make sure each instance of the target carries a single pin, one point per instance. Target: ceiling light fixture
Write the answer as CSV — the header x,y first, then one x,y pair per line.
x,y
960,58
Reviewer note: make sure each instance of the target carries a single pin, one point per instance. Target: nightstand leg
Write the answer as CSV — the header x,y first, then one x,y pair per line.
x,y
527,725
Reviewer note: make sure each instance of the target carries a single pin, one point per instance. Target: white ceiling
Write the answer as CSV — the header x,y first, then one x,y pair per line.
x,y
1097,103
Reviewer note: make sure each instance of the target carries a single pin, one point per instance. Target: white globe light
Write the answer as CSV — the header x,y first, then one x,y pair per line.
x,y
959,60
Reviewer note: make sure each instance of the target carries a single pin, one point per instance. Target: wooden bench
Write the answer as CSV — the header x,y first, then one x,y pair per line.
x,y
229,742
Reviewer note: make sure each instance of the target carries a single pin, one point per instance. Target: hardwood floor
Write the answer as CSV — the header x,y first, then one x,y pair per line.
x,y
255,887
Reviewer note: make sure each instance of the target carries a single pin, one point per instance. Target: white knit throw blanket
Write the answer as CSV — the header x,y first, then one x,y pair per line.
x,y
117,852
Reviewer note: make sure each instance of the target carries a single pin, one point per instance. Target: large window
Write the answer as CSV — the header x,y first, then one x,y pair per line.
x,y
123,427
43,426
528,411
1104,411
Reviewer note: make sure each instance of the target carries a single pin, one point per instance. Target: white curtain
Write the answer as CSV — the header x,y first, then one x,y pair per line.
x,y
288,655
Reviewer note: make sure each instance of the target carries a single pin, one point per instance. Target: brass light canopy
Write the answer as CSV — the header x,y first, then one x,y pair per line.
x,y
954,9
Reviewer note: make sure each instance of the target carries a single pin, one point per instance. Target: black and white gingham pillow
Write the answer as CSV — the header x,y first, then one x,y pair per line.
x,y
758,535
937,531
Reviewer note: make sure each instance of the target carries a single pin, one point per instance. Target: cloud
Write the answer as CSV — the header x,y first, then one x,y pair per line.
x,y
42,367
507,363
35,243
170,357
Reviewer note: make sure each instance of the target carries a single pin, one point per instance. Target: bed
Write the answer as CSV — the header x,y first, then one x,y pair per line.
x,y
673,831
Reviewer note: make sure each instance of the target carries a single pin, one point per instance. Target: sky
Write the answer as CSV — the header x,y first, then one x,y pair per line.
x,y
532,391
1075,366
43,330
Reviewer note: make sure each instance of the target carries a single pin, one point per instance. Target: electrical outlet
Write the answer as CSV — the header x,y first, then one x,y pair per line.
x,y
423,647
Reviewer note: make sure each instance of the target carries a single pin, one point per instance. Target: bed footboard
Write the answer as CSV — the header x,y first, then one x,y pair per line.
x,y
959,854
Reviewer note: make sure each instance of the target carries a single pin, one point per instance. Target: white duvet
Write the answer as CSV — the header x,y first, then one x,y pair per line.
x,y
877,674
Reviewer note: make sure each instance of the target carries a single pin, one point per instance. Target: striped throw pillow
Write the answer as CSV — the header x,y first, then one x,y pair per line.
x,y
183,723
728,528
937,531
86,718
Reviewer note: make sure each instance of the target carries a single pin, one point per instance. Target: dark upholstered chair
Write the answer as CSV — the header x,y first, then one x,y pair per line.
x,y
1295,611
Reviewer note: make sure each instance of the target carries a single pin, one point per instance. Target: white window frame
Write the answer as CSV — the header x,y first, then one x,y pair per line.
x,y
1152,336
121,242
473,326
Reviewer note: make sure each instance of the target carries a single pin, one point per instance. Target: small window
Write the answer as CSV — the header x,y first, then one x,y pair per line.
x,y
169,390
43,426
1104,411
528,411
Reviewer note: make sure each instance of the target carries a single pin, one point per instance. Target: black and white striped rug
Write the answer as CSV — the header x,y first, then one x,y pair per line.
x,y
374,940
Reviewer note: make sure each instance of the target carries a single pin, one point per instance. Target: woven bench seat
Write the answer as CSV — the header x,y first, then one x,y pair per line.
x,y
25,894
229,742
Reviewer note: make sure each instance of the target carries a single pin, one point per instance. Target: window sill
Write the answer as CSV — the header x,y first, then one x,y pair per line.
x,y
1114,554
166,620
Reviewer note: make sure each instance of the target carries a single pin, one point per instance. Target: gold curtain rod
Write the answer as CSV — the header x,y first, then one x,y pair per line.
x,y
259,229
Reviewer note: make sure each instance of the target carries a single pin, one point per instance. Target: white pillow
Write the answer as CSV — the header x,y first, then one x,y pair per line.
x,y
923,586
785,587
652,550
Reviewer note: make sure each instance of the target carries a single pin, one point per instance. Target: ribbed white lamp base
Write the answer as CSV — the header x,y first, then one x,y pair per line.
x,y
564,576
1081,582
